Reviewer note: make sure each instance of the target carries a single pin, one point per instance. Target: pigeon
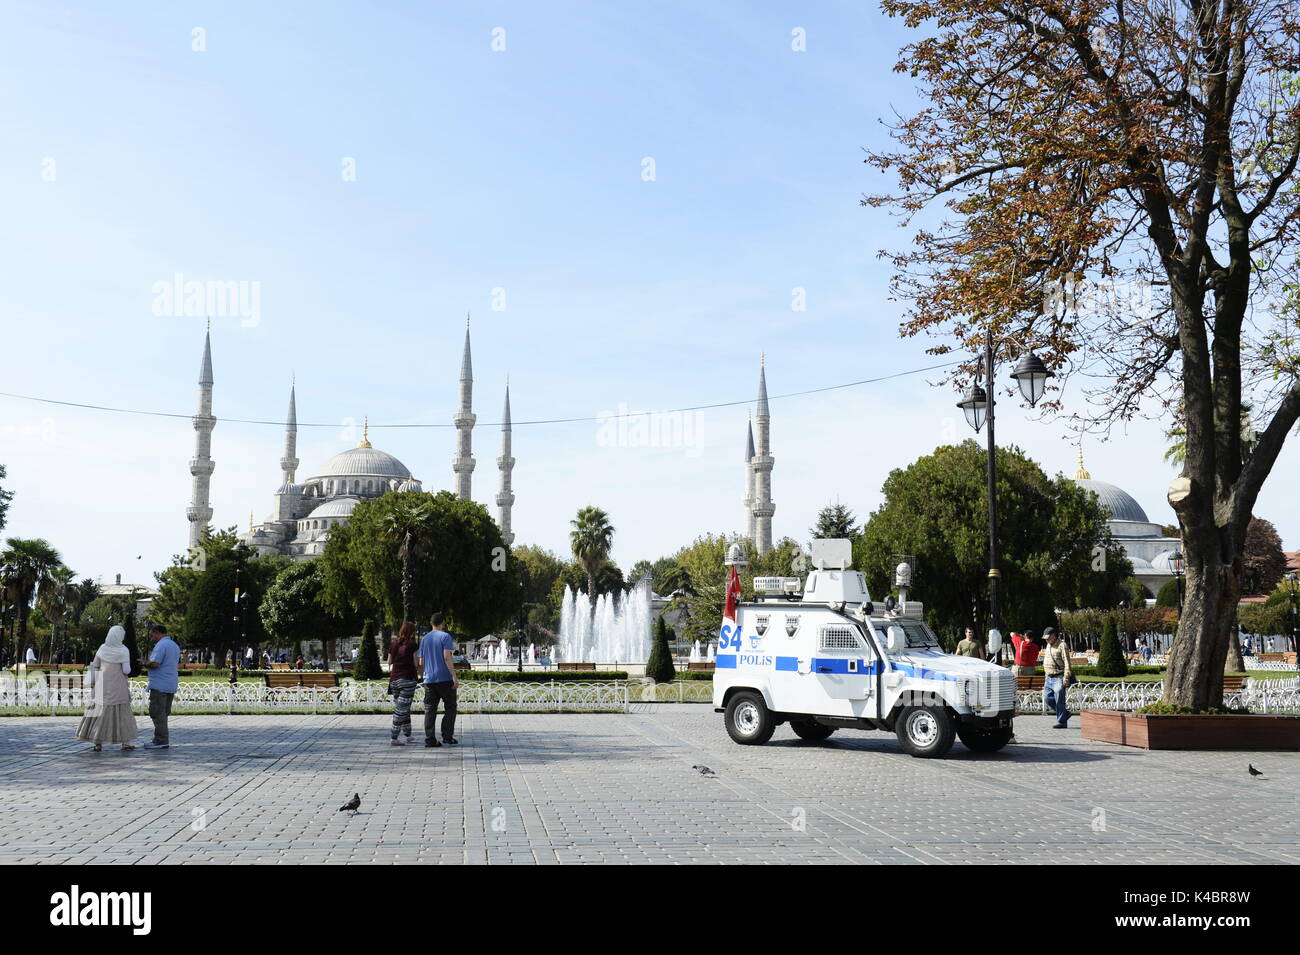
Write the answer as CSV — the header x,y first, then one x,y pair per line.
x,y
1253,770
704,770
352,805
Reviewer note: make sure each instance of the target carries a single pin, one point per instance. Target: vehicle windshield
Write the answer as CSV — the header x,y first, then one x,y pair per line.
x,y
917,633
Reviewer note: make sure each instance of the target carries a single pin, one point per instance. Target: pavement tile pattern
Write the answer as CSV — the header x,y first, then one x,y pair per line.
x,y
610,788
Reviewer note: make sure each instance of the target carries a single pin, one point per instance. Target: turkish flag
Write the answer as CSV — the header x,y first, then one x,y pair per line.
x,y
733,597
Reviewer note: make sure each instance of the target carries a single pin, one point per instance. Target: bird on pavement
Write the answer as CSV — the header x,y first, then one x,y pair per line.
x,y
704,770
1253,770
352,805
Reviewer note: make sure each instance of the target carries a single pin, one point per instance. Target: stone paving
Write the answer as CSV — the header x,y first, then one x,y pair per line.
x,y
549,788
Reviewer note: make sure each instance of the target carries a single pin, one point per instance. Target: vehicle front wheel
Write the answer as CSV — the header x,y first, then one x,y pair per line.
x,y
924,731
811,730
749,721
981,740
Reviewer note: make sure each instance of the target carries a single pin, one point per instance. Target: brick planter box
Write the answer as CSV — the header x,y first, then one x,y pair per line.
x,y
1231,732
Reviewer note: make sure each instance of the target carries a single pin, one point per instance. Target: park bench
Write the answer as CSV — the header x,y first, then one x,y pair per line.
x,y
1276,657
1034,682
703,665
279,680
1233,683
280,666
463,666
577,666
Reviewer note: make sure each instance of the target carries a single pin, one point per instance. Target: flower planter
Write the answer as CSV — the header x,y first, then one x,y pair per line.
x,y
1246,732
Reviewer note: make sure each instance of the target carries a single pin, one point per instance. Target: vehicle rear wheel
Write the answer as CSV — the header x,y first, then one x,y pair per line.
x,y
811,730
749,721
925,731
981,740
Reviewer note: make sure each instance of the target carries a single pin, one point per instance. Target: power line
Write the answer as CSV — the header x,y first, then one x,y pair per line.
x,y
488,424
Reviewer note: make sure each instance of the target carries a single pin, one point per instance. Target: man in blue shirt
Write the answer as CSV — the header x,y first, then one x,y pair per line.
x,y
440,682
164,679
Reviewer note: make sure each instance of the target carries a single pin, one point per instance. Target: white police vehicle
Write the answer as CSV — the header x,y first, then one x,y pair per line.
x,y
829,658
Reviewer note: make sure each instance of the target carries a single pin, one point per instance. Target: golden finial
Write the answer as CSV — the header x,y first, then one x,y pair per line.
x,y
365,434
1082,474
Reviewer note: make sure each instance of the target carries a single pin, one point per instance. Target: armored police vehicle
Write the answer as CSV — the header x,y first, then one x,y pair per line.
x,y
827,657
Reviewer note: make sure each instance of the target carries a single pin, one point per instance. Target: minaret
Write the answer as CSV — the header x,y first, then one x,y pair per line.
x,y
199,512
761,463
749,482
505,464
289,462
463,465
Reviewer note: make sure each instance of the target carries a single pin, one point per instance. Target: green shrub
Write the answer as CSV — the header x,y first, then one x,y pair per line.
x,y
660,665
1110,659
700,675
1172,709
367,664
1168,595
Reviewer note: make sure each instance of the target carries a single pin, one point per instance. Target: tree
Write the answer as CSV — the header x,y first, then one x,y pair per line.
x,y
835,521
464,569
210,615
591,538
660,665
176,583
1138,593
1142,146
1110,659
1263,564
367,666
703,574
56,598
5,498
1057,551
31,563
1168,595
293,610
408,525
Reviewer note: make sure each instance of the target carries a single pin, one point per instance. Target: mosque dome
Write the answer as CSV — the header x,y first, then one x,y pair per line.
x,y
338,507
410,484
363,462
1119,502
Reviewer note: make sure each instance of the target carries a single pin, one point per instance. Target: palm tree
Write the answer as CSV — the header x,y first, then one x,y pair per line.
x,y
591,537
409,526
30,564
57,598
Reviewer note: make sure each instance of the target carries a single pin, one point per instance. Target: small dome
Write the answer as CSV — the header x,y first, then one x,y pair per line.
x,y
1119,502
290,489
410,484
338,507
363,462
1163,562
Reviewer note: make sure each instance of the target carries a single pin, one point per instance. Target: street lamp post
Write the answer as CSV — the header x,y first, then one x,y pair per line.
x,y
1293,591
240,551
978,405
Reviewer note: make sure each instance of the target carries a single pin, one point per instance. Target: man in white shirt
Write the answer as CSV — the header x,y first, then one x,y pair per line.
x,y
31,656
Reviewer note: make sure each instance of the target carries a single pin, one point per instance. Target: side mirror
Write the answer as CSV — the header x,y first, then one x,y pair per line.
x,y
895,639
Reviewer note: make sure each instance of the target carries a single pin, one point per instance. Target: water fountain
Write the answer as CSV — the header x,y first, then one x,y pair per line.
x,y
618,632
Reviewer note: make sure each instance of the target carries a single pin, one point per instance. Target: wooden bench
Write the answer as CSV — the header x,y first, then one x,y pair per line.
x,y
280,666
1034,682
577,666
279,680
463,666
705,665
1233,683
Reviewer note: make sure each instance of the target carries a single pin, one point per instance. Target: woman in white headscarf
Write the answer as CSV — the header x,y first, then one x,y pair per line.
x,y
108,716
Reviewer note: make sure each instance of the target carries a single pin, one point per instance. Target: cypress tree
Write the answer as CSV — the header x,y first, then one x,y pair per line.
x,y
128,641
367,666
660,665
1110,659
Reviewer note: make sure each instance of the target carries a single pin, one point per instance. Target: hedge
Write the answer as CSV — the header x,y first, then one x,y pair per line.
x,y
695,674
544,676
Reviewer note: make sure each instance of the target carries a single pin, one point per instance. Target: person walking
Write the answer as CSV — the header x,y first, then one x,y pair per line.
x,y
402,681
970,647
31,656
1026,658
434,658
164,679
1057,677
108,717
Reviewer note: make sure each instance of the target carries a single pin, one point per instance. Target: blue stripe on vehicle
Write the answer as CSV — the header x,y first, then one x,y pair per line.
x,y
725,661
841,665
790,664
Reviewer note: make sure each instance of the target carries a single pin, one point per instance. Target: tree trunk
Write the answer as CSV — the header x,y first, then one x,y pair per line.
x,y
1233,663
591,589
1195,674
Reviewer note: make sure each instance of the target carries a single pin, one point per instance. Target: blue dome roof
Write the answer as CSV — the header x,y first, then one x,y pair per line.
x,y
1119,502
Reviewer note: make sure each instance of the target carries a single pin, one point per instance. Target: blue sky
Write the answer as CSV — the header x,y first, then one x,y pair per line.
x,y
131,157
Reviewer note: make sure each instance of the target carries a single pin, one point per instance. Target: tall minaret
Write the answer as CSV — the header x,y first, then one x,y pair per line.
x,y
505,464
289,462
762,467
199,512
749,482
464,422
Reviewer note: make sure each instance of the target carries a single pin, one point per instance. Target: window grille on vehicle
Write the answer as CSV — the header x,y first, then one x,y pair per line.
x,y
839,638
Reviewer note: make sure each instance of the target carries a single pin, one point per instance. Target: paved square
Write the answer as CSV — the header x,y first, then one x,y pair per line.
x,y
619,788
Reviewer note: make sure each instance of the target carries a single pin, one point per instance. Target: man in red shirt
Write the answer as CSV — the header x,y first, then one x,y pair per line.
x,y
1026,660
